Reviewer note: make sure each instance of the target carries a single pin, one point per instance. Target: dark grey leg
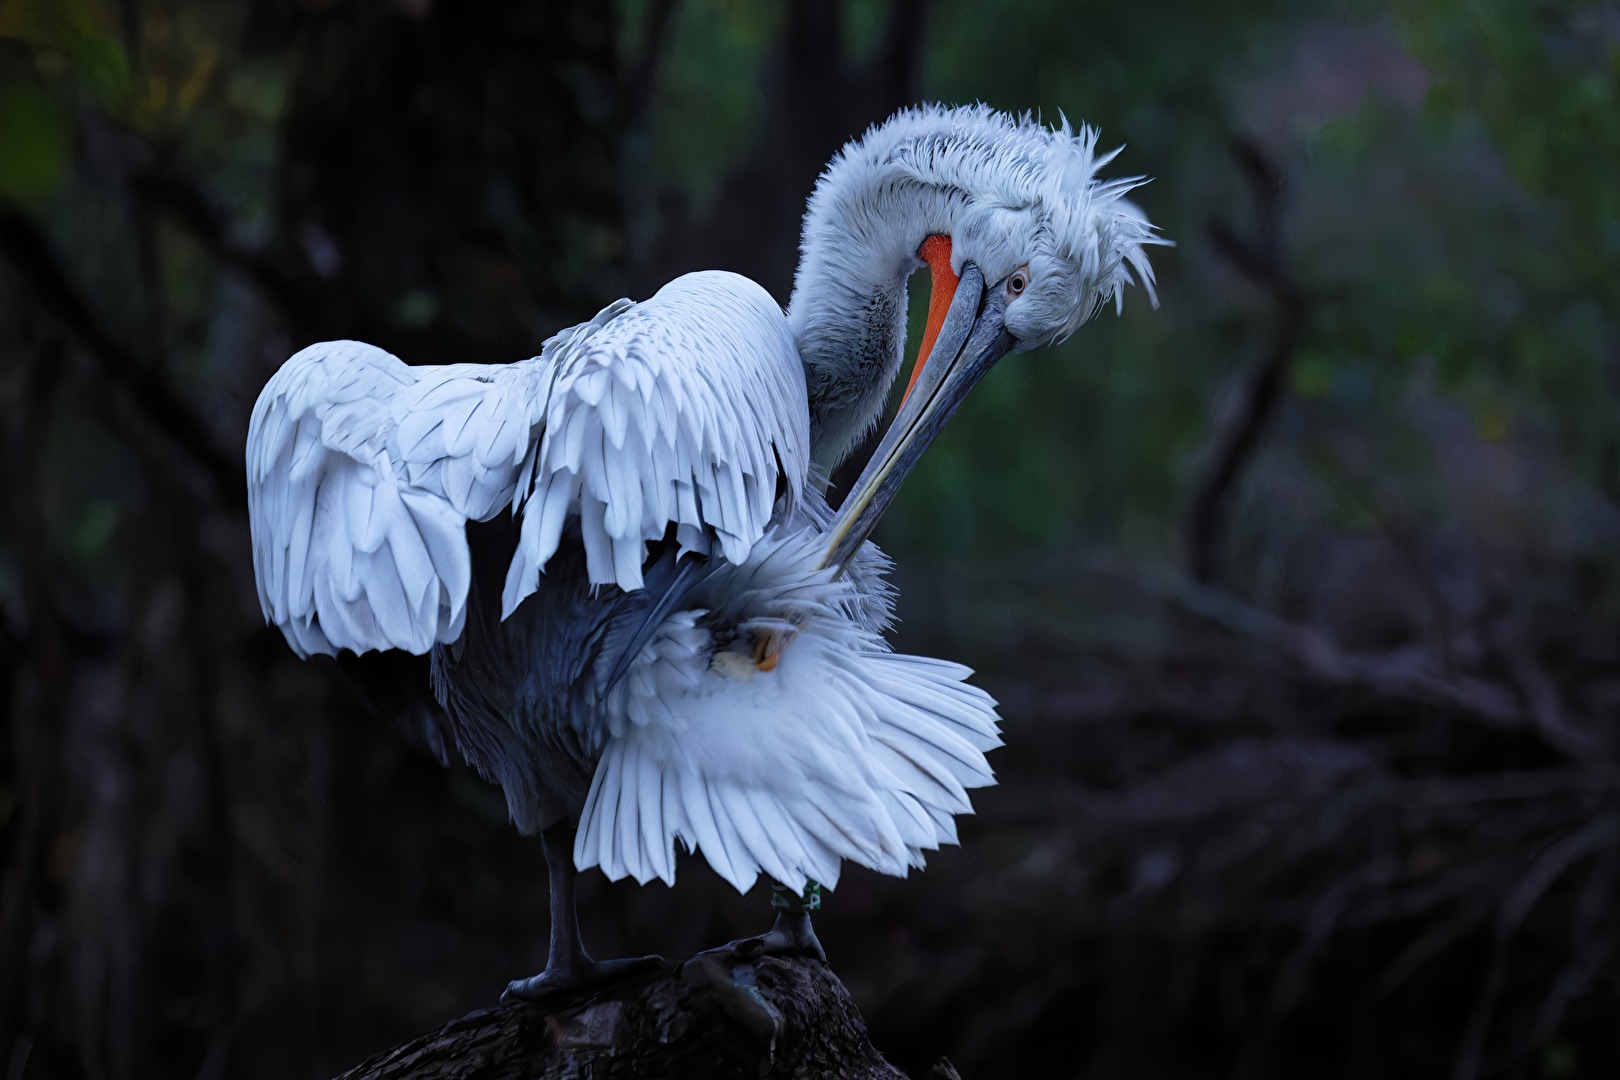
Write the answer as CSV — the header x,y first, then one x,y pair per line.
x,y
791,934
567,950
569,966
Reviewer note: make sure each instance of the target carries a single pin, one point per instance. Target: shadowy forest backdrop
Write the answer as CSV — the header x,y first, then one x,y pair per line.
x,y
1300,594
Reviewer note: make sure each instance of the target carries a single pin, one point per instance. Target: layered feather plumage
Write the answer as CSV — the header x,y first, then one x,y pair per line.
x,y
838,750
686,411
764,722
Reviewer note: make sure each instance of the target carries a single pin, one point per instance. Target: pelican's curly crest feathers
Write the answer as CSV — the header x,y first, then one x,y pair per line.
x,y
1013,185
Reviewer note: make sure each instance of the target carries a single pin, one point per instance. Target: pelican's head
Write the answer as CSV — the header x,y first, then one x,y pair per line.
x,y
1023,241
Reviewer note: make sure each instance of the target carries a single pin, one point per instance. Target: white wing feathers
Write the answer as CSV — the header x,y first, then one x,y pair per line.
x,y
843,751
645,429
358,507
363,471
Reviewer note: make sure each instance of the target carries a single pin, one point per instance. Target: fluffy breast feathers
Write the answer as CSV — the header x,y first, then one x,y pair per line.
x,y
765,727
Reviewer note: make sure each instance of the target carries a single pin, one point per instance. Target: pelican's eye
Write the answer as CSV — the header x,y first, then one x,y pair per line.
x,y
1018,281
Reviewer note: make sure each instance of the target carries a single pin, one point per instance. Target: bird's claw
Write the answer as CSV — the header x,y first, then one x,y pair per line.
x,y
555,981
791,935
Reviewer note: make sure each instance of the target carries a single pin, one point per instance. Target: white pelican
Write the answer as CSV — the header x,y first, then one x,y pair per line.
x,y
687,645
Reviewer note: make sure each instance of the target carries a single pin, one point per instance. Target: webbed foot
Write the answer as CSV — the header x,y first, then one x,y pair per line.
x,y
790,935
581,975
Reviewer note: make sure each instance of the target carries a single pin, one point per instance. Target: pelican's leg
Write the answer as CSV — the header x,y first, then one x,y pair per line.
x,y
569,966
791,934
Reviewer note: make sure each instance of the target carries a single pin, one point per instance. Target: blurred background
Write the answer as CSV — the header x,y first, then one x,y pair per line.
x,y
1300,594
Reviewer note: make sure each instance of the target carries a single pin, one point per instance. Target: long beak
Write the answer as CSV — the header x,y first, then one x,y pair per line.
x,y
971,339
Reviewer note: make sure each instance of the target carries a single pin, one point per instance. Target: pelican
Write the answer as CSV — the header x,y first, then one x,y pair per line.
x,y
661,633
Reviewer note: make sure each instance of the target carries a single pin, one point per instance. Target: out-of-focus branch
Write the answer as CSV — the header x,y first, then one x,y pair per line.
x,y
27,249
1515,695
43,656
898,62
1406,675
643,80
185,205
1259,258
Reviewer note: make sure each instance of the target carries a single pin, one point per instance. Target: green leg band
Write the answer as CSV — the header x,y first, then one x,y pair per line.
x,y
785,899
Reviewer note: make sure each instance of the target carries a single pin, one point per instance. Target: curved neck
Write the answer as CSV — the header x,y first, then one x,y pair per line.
x,y
848,312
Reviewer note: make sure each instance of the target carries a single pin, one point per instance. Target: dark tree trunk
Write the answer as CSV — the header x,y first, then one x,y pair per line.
x,y
711,1017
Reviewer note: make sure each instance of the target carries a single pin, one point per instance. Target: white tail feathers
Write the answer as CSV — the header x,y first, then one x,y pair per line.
x,y
842,750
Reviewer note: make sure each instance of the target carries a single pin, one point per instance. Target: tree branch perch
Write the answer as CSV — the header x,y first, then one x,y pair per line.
x,y
713,1016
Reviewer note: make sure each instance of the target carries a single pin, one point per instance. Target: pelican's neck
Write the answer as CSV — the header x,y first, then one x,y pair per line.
x,y
848,312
